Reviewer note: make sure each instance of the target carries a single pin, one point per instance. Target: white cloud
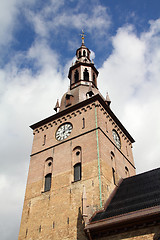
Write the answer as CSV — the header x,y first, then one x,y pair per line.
x,y
26,97
53,17
131,75
9,10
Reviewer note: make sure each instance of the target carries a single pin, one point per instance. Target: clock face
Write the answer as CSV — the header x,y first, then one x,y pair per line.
x,y
116,139
63,131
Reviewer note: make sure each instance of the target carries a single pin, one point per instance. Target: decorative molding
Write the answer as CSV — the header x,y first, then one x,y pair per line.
x,y
78,111
64,118
69,116
89,107
84,109
73,114
59,120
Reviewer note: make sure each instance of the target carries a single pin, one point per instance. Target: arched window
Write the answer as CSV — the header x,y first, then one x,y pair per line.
x,y
47,185
77,172
86,75
76,76
79,54
84,53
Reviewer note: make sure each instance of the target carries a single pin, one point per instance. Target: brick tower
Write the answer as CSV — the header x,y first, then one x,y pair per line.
x,y
78,156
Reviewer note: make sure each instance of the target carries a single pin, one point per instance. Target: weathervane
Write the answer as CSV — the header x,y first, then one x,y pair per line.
x,y
82,37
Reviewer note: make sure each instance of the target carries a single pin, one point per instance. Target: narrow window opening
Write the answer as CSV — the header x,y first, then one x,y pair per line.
x,y
68,220
77,172
47,182
83,123
114,179
53,225
79,54
112,154
44,140
40,228
84,53
76,76
86,75
127,151
26,232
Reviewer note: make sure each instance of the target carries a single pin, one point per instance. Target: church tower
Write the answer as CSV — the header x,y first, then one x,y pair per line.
x,y
78,157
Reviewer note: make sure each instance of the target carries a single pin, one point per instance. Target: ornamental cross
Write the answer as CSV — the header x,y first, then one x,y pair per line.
x,y
82,36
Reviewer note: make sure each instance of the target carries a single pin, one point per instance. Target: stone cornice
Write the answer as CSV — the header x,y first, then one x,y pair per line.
x,y
72,110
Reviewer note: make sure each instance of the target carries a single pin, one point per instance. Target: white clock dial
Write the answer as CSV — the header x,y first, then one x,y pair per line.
x,y
63,131
116,139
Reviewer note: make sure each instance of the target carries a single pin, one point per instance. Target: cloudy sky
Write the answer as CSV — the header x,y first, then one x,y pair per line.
x,y
38,40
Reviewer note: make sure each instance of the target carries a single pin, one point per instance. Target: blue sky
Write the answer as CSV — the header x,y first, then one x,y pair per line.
x,y
38,41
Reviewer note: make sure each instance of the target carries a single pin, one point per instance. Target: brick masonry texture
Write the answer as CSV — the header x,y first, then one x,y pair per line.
x,y
57,214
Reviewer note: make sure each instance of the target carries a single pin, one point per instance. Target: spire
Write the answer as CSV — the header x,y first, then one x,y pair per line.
x,y
82,37
108,101
56,108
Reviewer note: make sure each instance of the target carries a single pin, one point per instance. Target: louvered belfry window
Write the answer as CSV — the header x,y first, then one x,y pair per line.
x,y
47,182
76,76
77,172
86,75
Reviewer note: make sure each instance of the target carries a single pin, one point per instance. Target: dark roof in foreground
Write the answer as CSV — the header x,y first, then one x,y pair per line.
x,y
134,193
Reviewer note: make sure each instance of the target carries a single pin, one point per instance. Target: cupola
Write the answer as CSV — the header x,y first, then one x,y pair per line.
x,y
83,71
